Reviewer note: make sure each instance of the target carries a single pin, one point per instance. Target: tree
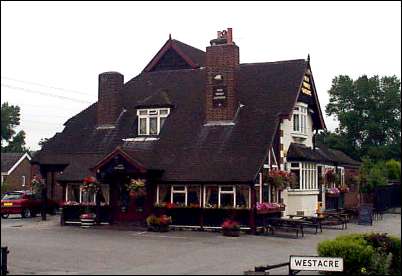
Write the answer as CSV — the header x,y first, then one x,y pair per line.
x,y
368,110
10,119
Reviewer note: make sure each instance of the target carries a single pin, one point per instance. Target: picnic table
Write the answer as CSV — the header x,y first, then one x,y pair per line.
x,y
274,224
309,221
334,217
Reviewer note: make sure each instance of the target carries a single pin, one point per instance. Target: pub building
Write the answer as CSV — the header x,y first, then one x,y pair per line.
x,y
203,131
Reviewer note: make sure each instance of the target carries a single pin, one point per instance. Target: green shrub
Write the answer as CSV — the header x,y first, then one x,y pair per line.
x,y
395,249
356,254
365,254
393,169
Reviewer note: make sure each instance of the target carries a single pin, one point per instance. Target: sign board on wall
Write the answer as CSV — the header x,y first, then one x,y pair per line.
x,y
314,263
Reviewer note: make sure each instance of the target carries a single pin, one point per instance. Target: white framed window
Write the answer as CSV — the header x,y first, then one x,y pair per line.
x,y
227,197
306,175
178,195
299,118
342,175
150,121
74,193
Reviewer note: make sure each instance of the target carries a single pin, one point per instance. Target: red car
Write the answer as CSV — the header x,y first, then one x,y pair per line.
x,y
24,203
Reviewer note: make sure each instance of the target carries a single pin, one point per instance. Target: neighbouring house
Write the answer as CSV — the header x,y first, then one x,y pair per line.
x,y
203,130
15,171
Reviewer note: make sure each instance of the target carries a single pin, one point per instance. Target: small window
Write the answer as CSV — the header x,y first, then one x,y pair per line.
x,y
296,122
23,181
151,121
163,111
153,125
143,126
211,196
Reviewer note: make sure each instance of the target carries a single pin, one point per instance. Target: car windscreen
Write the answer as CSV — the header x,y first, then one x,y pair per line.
x,y
12,196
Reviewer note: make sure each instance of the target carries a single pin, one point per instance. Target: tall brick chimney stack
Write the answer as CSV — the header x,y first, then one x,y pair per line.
x,y
222,66
109,104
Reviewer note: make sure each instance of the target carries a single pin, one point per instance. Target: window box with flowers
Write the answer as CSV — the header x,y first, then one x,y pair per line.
x,y
268,208
230,228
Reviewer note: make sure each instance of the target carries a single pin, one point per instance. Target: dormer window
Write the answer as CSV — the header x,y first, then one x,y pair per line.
x,y
300,118
150,121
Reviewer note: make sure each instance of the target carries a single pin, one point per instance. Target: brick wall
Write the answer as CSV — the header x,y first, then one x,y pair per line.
x,y
109,101
14,180
223,60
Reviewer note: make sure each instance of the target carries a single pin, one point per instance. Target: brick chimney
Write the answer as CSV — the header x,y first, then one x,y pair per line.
x,y
221,65
109,104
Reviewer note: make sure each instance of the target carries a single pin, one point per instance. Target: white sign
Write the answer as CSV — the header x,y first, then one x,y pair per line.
x,y
316,263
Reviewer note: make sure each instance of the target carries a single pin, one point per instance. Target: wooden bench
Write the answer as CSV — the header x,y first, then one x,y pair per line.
x,y
279,223
335,219
308,221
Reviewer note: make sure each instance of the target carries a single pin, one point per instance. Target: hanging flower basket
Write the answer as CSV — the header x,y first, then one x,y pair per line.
x,y
37,184
344,189
136,188
89,184
280,179
332,192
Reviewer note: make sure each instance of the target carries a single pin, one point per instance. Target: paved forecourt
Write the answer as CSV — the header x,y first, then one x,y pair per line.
x,y
44,247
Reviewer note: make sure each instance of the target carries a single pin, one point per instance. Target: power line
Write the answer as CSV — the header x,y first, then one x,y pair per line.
x,y
48,86
43,93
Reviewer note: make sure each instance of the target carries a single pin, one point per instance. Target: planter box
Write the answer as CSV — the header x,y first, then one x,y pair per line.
x,y
158,228
270,211
231,233
87,220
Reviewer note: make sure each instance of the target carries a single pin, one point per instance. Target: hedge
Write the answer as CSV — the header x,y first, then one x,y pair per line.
x,y
365,254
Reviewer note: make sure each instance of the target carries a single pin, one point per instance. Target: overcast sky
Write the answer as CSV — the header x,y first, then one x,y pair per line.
x,y
52,53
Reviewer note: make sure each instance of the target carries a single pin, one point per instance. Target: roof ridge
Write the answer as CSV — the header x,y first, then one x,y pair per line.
x,y
271,62
188,45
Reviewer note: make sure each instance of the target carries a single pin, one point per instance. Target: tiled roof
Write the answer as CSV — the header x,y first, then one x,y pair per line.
x,y
322,154
187,150
8,160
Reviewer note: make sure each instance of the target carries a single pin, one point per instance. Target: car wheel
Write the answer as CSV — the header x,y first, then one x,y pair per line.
x,y
26,213
4,216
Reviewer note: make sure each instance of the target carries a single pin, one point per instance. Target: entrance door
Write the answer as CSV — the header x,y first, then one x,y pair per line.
x,y
125,208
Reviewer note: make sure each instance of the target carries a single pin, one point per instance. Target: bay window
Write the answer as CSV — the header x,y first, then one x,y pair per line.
x,y
150,121
300,118
306,175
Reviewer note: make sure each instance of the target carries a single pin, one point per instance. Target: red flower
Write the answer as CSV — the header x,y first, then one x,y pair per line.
x,y
230,224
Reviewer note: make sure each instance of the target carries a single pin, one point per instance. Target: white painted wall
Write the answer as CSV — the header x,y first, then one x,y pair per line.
x,y
300,201
288,138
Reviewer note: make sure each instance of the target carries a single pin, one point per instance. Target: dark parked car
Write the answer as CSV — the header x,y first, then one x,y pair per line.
x,y
25,203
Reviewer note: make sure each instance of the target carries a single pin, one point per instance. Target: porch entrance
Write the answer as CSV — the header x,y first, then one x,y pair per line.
x,y
118,170
124,208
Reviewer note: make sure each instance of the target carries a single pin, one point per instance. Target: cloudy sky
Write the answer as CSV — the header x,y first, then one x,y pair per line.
x,y
52,53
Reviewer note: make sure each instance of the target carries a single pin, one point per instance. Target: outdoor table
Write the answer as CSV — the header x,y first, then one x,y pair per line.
x,y
309,221
333,214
